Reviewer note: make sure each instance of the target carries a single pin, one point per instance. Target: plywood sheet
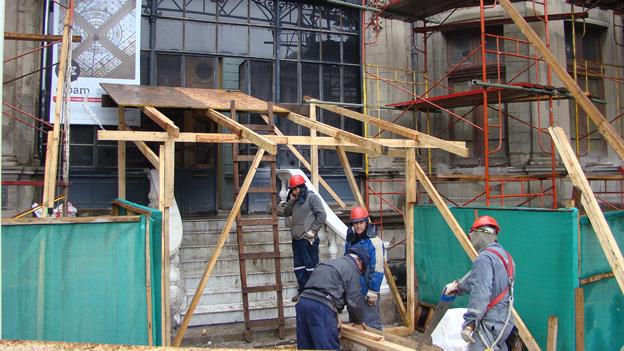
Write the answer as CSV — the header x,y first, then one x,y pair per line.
x,y
184,98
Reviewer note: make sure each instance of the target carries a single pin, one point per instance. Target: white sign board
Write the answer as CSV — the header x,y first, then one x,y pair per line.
x,y
108,53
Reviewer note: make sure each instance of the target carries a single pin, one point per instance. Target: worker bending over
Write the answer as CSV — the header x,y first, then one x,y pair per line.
x,y
362,233
488,321
334,284
308,215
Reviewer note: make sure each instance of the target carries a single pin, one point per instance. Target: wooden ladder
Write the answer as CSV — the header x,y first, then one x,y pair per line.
x,y
242,221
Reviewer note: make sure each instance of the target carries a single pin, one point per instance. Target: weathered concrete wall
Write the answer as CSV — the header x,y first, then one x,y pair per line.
x,y
19,156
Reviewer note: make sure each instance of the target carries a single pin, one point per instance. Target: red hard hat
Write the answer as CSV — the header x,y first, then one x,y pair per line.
x,y
295,181
358,214
483,221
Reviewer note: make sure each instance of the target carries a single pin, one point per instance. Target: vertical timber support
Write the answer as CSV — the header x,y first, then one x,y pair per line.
x,y
410,200
314,161
121,155
165,198
553,328
579,316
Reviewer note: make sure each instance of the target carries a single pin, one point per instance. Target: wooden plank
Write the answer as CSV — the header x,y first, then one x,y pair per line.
x,y
121,155
410,199
148,278
370,340
373,146
595,278
395,293
525,334
399,331
38,37
146,151
592,208
163,121
245,132
217,251
314,161
69,220
185,98
163,252
307,165
169,171
399,130
52,150
551,340
579,318
602,124
346,166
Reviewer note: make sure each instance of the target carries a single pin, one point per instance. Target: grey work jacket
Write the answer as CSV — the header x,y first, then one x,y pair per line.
x,y
488,278
336,283
310,215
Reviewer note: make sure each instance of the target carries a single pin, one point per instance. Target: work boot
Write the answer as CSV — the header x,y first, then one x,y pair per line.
x,y
295,298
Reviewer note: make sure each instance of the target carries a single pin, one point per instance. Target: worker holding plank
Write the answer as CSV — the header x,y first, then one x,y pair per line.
x,y
488,322
364,234
308,215
334,284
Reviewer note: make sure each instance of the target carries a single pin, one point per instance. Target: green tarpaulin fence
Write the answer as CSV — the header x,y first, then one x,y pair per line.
x,y
80,282
545,247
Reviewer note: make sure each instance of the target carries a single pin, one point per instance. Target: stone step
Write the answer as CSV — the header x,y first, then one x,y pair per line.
x,y
193,238
217,224
229,264
233,312
217,296
232,280
198,252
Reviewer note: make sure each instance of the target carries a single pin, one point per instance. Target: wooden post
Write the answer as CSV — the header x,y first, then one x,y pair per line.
x,y
220,243
148,281
165,198
553,325
525,334
121,155
596,217
602,124
314,150
410,199
346,166
52,149
579,316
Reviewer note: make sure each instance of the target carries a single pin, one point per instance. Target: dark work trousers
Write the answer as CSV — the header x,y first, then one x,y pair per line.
x,y
317,326
306,258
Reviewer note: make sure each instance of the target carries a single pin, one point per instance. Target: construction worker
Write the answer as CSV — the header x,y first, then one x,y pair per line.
x,y
334,284
308,215
488,321
362,233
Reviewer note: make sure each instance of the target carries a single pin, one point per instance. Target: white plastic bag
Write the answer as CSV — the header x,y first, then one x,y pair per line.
x,y
447,334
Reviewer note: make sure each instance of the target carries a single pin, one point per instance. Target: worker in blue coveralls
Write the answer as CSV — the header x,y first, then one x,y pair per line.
x,y
364,234
334,284
308,215
488,321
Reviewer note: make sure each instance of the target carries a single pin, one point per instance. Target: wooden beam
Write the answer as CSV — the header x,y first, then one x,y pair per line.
x,y
594,213
395,293
163,121
307,165
314,150
346,166
410,199
168,168
372,146
525,334
38,37
579,318
602,124
369,339
121,155
145,150
399,130
551,341
231,124
595,278
52,149
69,220
219,246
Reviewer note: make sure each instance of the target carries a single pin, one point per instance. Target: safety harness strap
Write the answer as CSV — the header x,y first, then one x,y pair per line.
x,y
509,268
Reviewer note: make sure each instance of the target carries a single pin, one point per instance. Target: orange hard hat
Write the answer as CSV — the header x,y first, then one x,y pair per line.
x,y
485,221
295,181
358,214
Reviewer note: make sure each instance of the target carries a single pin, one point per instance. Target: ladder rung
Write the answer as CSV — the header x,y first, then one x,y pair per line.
x,y
258,255
260,127
250,158
255,221
260,288
264,322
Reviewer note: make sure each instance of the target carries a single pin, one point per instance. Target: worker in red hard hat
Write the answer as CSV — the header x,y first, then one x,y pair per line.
x,y
308,215
488,321
362,233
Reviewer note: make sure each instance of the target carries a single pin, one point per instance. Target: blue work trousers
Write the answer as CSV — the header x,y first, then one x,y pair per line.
x,y
306,258
317,326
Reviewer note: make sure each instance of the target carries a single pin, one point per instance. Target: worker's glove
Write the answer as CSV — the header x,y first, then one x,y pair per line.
x,y
451,288
310,235
371,298
466,333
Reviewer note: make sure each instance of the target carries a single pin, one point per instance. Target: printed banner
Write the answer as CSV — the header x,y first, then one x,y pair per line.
x,y
108,53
